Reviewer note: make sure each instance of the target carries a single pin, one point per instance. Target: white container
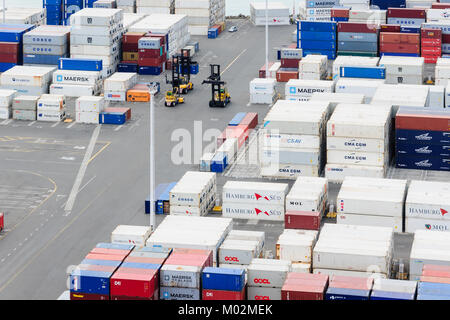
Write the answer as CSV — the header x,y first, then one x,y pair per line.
x,y
238,251
268,273
245,235
230,148
356,144
261,85
192,188
253,211
359,86
307,194
50,102
295,249
87,117
5,113
115,95
96,17
72,90
180,276
391,285
50,116
76,77
403,66
347,273
301,267
120,81
357,158
254,192
370,196
263,293
335,98
428,200
290,140
337,172
6,97
289,170
126,234
414,224
405,95
90,104
305,88
370,220
27,76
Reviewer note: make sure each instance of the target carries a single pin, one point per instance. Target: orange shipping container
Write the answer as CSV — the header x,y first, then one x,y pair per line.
x,y
136,95
130,56
397,37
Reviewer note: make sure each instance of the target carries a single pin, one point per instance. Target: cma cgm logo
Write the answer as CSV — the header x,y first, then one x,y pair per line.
x,y
261,281
233,259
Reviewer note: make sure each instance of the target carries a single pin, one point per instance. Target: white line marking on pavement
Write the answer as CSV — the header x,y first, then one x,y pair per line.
x,y
231,63
31,123
71,125
56,124
81,189
5,122
82,171
118,128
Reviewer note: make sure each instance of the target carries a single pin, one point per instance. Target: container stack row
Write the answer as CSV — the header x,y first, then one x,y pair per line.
x,y
318,38
202,15
11,44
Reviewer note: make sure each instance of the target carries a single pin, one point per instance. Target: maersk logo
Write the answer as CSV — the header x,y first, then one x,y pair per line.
x,y
423,150
59,78
424,164
292,90
424,137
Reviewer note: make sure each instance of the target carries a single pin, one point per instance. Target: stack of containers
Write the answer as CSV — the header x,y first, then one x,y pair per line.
x,y
407,95
20,16
406,16
318,37
302,90
316,10
372,202
335,98
292,139
266,277
296,246
340,14
240,247
403,70
138,276
444,27
51,108
400,44
289,59
130,50
358,141
442,72
262,91
422,139
306,203
434,283
313,67
96,34
354,250
116,86
367,87
128,6
76,83
223,284
24,107
55,11
126,234
349,288
427,206
46,45
250,200
11,43
152,56
368,16
201,14
88,109
191,232
91,279
431,45
155,6
181,274
194,194
73,6
428,248
357,39
389,289
300,286
27,80
278,13
6,99
352,61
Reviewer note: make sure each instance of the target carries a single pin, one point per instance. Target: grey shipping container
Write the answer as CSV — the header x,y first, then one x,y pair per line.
x,y
360,37
24,115
358,46
25,103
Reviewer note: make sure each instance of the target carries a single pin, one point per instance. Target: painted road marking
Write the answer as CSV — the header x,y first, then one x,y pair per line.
x,y
235,59
82,171
56,124
81,189
118,128
70,125
31,123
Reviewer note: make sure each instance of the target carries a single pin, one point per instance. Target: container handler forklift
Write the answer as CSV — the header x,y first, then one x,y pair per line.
x,y
181,78
220,96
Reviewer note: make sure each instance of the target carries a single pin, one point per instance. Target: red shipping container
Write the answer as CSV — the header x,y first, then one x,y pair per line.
x,y
436,274
10,48
302,220
9,57
356,27
145,260
87,296
302,292
208,294
112,257
402,38
241,132
118,252
390,28
435,279
149,53
438,270
445,38
290,63
285,76
132,37
150,62
340,13
180,253
117,109
432,51
400,48
432,43
431,33
346,282
251,120
262,70
154,297
130,47
406,13
422,122
307,276
431,60
134,284
440,5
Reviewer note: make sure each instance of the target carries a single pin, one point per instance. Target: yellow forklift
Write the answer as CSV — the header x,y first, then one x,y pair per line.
x,y
181,78
220,96
173,98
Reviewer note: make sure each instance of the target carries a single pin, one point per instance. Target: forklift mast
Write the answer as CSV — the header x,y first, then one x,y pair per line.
x,y
216,86
181,69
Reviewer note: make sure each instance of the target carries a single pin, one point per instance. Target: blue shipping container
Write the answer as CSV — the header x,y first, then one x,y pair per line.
x,y
318,45
155,71
223,279
112,118
219,162
422,163
397,54
40,59
385,4
127,67
422,149
109,263
433,288
422,137
4,66
330,54
237,119
136,265
432,297
318,26
118,246
406,29
386,295
194,68
346,294
52,2
318,36
80,64
13,32
362,72
89,281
